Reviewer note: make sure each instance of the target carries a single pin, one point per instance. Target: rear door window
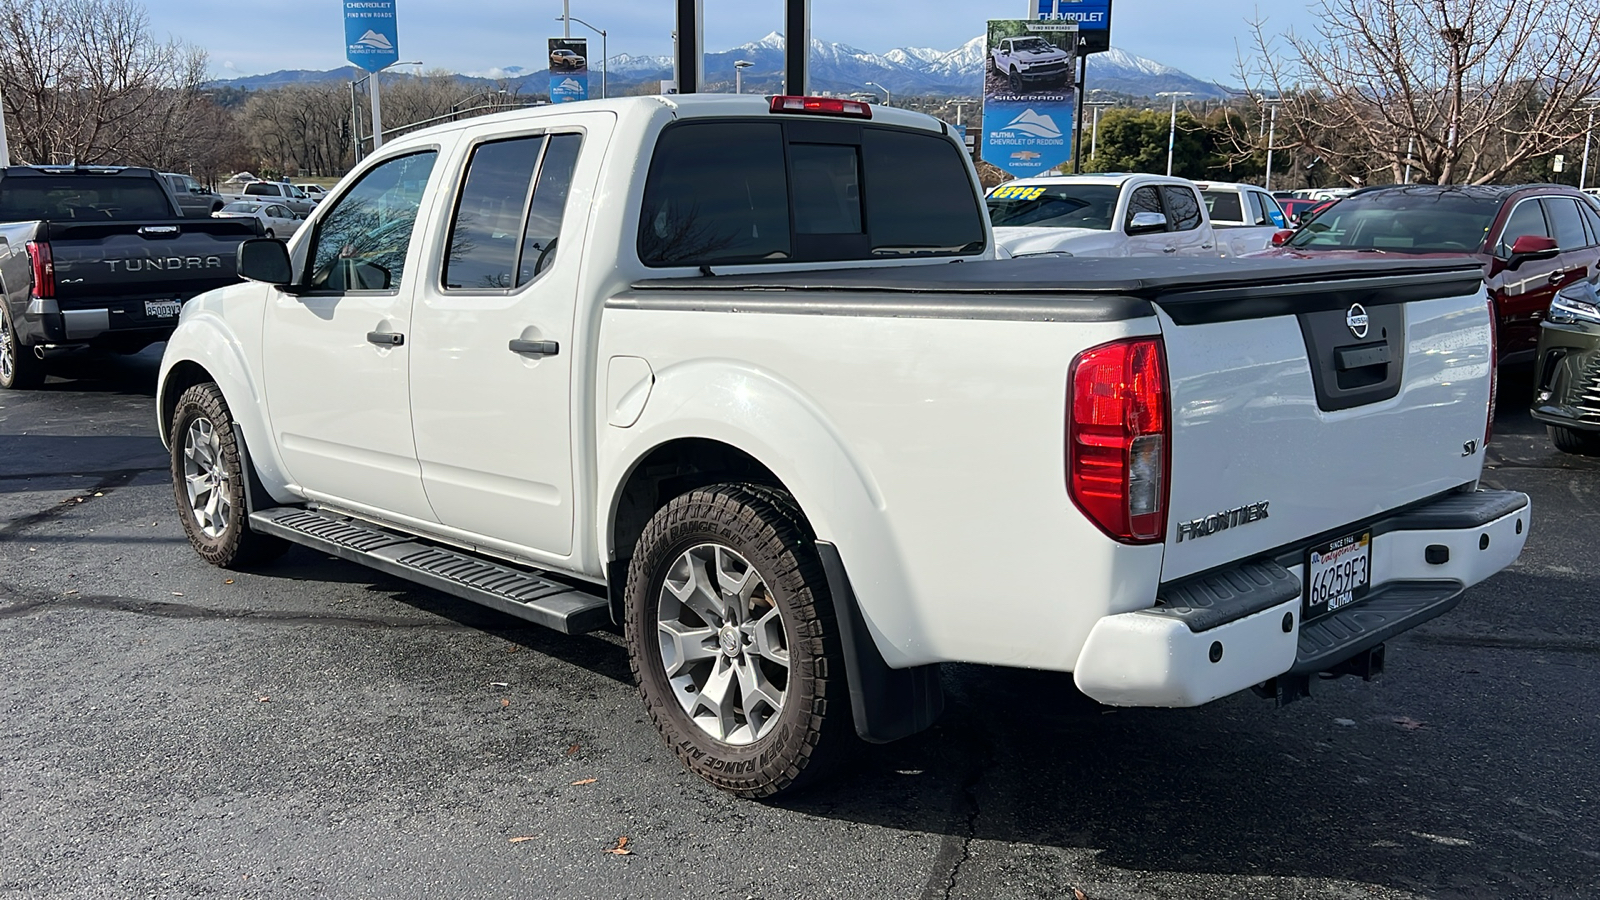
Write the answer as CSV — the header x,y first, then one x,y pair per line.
x,y
487,230
1566,223
751,192
1183,208
1224,206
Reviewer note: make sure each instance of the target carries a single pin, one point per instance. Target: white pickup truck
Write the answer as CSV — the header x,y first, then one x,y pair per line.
x,y
735,375
1101,215
1245,216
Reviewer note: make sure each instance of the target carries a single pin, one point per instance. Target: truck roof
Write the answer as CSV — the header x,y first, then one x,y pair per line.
x,y
683,105
1116,178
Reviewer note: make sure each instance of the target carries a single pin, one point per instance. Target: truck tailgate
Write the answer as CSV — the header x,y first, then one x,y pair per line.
x,y
171,259
1300,408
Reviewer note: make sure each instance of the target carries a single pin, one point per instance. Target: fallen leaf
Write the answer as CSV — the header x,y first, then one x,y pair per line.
x,y
73,591
1079,895
499,684
264,699
573,749
177,593
518,840
99,493
227,581
586,781
512,649
621,849
504,702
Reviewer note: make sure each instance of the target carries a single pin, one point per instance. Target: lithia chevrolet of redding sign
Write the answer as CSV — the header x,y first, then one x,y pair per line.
x,y
1222,521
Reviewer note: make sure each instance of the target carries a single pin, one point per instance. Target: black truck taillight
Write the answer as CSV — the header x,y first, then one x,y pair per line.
x,y
1119,439
44,270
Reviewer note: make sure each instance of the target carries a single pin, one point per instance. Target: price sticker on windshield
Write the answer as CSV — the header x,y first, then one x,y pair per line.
x,y
1016,192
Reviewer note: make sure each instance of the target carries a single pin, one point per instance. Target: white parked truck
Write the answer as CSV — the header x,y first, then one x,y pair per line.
x,y
1029,61
737,375
1101,215
1245,216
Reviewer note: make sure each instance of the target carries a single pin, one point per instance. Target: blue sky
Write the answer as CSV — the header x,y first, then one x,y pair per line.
x,y
1197,36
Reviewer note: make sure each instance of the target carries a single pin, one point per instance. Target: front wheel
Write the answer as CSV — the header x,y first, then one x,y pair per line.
x,y
1014,79
19,368
209,482
1571,440
733,640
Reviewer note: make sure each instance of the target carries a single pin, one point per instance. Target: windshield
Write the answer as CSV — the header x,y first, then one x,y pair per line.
x,y
1054,205
1032,45
241,207
1402,221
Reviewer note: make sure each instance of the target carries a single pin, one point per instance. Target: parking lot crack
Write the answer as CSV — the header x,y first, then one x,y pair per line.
x,y
169,610
108,482
956,848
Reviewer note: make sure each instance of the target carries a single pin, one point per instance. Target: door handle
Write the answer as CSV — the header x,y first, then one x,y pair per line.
x,y
1555,277
540,348
386,338
1170,250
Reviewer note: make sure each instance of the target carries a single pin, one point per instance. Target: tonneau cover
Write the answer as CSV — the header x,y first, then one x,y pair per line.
x,y
1191,291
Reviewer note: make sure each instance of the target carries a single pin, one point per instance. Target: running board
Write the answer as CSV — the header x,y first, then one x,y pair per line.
x,y
518,592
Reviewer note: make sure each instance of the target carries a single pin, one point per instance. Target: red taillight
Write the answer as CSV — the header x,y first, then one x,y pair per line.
x,y
44,270
1494,372
822,106
1118,433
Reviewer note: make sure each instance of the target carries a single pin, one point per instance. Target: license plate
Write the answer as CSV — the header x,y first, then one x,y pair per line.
x,y
162,309
1338,574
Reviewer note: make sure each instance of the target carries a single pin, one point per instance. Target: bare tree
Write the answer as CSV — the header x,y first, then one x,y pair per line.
x,y
84,81
1456,90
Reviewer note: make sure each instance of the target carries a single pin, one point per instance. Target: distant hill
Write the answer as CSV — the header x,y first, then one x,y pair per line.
x,y
835,68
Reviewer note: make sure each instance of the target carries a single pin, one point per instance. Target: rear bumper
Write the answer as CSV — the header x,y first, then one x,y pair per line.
x,y
1219,633
46,323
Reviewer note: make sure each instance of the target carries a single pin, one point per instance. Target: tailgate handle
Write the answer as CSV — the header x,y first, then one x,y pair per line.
x,y
1347,358
160,231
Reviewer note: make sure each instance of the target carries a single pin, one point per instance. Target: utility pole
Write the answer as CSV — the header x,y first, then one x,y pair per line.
x,y
1272,135
1583,170
566,18
5,149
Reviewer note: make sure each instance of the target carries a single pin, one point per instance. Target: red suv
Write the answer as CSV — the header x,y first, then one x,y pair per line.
x,y
1533,240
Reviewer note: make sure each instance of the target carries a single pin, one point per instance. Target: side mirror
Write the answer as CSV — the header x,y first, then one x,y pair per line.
x,y
1279,238
265,260
1531,247
1147,222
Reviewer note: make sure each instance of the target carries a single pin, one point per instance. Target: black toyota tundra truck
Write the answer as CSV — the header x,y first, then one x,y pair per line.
x,y
99,256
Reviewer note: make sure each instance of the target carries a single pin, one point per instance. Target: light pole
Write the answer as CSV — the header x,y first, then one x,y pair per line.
x,y
494,97
5,150
605,58
377,106
739,65
1172,130
886,100
1583,170
1094,127
1272,134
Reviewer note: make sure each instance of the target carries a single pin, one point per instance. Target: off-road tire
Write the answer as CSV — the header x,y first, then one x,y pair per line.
x,y
237,546
1014,81
20,369
814,731
1571,440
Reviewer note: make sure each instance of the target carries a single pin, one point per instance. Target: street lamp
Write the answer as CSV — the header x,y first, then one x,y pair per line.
x,y
886,101
1172,130
1272,134
605,57
739,65
494,98
1583,170
377,106
1094,128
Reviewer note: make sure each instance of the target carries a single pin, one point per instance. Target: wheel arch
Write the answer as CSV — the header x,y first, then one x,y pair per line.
x,y
713,421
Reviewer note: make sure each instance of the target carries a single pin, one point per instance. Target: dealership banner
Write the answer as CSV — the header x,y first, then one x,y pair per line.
x,y
569,69
1028,95
1093,18
371,40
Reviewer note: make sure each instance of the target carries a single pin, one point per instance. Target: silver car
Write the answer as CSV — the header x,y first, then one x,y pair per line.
x,y
277,220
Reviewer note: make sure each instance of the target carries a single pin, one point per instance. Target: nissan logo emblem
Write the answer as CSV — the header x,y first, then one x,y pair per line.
x,y
1356,320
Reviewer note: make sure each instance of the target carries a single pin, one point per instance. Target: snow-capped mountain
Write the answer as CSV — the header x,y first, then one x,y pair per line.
x,y
835,68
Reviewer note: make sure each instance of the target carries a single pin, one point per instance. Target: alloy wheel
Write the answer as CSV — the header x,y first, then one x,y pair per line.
x,y
723,644
206,479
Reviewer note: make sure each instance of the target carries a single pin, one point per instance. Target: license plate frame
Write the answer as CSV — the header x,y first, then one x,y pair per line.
x,y
162,309
1338,574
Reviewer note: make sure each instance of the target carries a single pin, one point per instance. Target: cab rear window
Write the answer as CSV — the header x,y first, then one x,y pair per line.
x,y
771,191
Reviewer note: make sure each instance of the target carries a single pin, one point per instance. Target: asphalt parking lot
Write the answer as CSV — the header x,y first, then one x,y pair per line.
x,y
315,729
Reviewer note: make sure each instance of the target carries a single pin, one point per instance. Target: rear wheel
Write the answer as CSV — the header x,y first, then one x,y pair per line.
x,y
19,368
733,640
209,482
1571,440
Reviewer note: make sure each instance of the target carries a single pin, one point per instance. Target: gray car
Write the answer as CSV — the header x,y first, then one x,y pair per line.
x,y
195,199
1567,399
